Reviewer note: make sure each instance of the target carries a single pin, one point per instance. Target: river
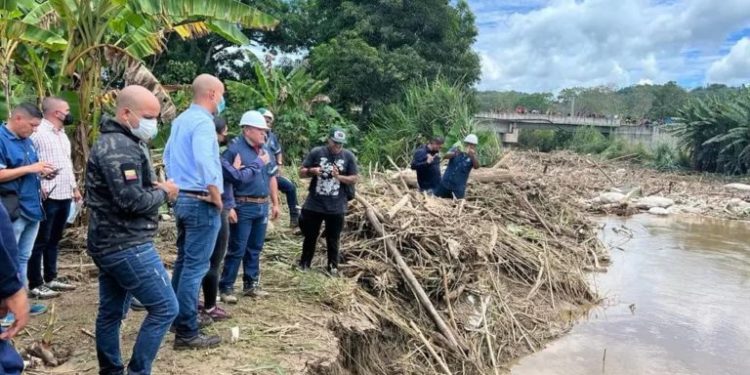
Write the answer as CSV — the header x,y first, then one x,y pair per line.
x,y
677,301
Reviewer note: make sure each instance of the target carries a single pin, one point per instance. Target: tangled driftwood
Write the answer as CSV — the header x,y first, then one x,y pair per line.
x,y
462,287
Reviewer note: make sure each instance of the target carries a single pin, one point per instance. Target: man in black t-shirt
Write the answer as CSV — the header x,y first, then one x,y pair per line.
x,y
333,171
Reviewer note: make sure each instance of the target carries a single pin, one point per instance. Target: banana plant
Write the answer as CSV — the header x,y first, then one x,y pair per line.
x,y
107,40
15,31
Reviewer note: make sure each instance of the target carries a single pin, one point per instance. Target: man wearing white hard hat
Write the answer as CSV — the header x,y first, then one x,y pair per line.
x,y
286,186
252,199
461,161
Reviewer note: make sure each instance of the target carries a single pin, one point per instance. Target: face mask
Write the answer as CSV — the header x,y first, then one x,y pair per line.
x,y
147,129
221,106
68,119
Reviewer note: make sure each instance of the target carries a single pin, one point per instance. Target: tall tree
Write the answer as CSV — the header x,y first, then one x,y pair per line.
x,y
369,50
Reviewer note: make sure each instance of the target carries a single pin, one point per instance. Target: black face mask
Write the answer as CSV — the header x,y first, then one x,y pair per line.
x,y
223,142
68,119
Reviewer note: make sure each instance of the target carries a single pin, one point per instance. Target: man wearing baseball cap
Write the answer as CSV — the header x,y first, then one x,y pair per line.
x,y
462,161
286,186
333,171
252,198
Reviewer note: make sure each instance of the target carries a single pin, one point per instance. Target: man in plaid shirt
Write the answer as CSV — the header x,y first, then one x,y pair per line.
x,y
53,147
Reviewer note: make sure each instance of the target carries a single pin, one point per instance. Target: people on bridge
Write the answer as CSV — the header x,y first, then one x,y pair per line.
x,y
426,162
461,161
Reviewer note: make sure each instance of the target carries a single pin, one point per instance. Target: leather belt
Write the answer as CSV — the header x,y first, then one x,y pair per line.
x,y
250,199
194,194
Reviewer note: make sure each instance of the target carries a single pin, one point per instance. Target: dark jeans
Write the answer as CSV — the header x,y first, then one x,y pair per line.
x,y
10,361
198,225
443,192
245,245
311,222
287,187
45,247
136,272
211,280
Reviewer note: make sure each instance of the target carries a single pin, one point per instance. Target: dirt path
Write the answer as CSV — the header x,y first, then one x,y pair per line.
x,y
280,334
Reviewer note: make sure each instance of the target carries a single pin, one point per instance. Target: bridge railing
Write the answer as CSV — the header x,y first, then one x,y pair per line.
x,y
552,119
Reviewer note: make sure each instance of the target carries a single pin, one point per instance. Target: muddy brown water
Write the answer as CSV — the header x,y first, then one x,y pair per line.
x,y
677,301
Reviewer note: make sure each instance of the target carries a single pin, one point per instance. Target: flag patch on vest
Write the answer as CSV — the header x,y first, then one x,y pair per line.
x,y
129,173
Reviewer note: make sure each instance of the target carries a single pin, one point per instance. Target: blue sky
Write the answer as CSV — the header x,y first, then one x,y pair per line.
x,y
547,45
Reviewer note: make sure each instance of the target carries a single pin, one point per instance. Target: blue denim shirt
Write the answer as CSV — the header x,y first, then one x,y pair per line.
x,y
273,144
16,152
457,173
191,156
254,178
428,175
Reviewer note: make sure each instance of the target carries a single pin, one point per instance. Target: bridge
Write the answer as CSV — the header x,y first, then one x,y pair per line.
x,y
507,125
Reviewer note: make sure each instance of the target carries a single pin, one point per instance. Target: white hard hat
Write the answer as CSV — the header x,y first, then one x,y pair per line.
x,y
266,113
471,139
254,119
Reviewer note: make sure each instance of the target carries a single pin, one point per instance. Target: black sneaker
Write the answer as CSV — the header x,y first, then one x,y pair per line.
x,y
200,341
204,320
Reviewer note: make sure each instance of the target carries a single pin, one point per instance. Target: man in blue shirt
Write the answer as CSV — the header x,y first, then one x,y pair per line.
x,y
286,186
191,158
462,161
20,171
251,199
426,162
12,297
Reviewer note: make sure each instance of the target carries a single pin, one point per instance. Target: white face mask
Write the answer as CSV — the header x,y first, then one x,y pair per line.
x,y
147,129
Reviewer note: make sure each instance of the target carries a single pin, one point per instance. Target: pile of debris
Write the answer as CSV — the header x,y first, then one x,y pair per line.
x,y
462,287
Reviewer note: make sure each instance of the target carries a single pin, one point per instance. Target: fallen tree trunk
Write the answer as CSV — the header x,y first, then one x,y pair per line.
x,y
482,175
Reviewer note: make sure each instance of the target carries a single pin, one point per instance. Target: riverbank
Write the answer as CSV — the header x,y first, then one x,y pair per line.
x,y
502,273
586,181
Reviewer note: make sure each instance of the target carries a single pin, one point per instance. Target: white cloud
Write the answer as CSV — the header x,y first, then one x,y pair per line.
x,y
567,43
734,68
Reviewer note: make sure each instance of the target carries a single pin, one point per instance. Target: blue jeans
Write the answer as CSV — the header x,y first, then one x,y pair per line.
x,y
25,231
443,192
10,361
135,272
198,225
287,187
45,248
245,245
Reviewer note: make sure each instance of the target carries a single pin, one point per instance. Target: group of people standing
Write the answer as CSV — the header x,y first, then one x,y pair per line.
x,y
222,203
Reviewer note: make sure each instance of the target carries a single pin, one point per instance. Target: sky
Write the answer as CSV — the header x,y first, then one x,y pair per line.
x,y
548,45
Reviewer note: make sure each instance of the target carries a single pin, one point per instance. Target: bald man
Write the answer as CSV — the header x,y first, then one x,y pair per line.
x,y
191,158
53,146
124,201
